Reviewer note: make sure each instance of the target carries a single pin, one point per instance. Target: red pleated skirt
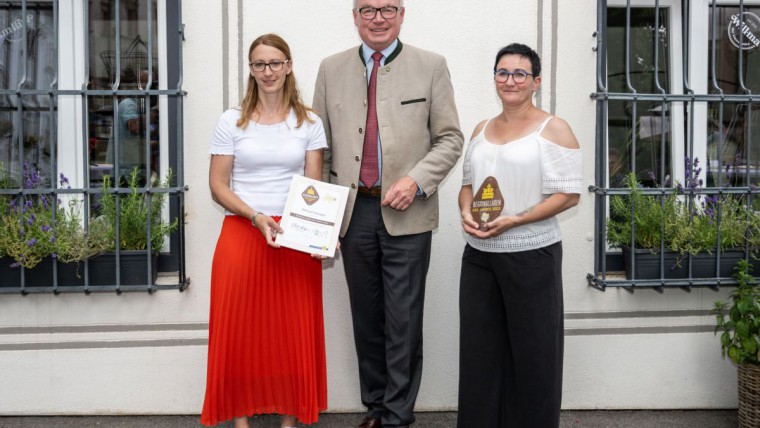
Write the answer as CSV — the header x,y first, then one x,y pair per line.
x,y
266,351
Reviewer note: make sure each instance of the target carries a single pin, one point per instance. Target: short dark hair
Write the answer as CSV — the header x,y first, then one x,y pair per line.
x,y
525,52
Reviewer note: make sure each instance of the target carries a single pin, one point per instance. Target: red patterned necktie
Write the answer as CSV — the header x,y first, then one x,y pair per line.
x,y
369,174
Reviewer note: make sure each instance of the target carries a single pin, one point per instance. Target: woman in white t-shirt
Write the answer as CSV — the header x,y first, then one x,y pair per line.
x,y
521,169
266,336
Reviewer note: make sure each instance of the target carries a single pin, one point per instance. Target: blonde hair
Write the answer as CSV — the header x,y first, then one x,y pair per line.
x,y
292,95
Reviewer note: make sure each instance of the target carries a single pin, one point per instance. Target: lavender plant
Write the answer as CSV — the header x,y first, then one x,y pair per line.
x,y
26,223
73,242
35,226
685,221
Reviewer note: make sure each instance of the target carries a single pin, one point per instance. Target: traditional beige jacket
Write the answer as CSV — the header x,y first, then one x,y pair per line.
x,y
417,121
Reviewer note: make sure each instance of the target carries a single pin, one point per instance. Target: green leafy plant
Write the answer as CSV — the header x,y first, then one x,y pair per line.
x,y
134,214
26,223
36,226
6,182
73,242
652,216
685,221
740,321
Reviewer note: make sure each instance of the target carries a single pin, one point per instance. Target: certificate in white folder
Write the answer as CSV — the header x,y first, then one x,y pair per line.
x,y
312,216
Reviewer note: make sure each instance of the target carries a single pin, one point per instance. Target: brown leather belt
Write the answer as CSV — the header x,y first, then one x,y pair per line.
x,y
370,191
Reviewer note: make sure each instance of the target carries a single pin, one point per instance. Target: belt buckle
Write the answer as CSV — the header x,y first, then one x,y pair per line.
x,y
370,191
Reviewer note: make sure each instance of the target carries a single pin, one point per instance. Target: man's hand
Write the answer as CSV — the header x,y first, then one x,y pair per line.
x,y
401,194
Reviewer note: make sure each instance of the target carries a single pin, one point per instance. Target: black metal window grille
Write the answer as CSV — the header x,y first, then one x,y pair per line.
x,y
658,112
29,139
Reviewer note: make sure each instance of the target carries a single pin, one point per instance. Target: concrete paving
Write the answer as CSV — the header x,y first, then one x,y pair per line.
x,y
570,419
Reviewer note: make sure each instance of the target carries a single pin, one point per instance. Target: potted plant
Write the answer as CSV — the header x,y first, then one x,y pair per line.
x,y
26,228
36,229
74,244
739,322
685,223
133,215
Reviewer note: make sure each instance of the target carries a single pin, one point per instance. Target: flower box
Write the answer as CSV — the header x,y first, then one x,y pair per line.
x,y
69,274
133,268
102,270
703,265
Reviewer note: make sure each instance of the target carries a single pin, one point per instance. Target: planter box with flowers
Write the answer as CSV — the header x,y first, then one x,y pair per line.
x,y
36,229
703,227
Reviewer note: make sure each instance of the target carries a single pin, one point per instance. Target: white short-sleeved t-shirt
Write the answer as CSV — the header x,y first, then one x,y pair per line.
x,y
266,156
527,171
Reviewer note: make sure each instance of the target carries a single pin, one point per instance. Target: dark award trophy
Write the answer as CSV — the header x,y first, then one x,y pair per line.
x,y
487,202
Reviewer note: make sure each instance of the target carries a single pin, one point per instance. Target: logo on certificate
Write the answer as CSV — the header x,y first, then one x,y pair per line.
x,y
310,195
487,202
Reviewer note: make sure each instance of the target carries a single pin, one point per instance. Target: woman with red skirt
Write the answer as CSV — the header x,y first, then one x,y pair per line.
x,y
266,335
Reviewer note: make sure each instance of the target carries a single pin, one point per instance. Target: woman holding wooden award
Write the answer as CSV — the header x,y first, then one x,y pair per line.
x,y
522,168
266,336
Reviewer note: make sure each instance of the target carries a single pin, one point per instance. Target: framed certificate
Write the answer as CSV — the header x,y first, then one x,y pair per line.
x,y
312,216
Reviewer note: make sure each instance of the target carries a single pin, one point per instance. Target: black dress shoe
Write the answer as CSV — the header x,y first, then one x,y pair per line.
x,y
371,423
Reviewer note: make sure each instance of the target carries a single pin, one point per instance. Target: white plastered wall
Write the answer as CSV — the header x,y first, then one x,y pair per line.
x,y
145,354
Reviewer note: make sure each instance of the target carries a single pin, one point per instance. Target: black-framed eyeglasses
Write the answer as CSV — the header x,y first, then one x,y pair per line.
x,y
519,76
276,65
369,12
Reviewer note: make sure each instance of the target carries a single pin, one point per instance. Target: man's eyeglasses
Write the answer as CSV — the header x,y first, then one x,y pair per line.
x,y
369,12
273,65
519,76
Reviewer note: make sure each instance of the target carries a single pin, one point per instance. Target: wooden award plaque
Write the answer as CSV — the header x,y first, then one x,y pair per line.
x,y
487,202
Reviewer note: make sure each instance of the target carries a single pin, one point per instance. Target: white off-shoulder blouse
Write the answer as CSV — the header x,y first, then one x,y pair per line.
x,y
527,170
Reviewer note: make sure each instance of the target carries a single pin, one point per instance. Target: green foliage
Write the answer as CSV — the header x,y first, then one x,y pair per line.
x,y
35,226
651,215
26,232
685,223
6,182
26,221
739,322
134,214
73,243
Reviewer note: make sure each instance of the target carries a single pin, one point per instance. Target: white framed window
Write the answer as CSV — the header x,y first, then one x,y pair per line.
x,y
677,102
89,89
642,134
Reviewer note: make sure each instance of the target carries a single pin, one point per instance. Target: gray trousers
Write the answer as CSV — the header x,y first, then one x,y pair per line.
x,y
386,283
511,338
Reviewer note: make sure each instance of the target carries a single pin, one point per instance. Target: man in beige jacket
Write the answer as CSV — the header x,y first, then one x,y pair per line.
x,y
393,134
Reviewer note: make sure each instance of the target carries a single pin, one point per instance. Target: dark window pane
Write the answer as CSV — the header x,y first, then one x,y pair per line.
x,y
734,128
26,123
639,131
124,129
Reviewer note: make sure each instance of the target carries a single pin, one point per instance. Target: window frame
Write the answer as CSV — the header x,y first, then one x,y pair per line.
x,y
69,96
691,92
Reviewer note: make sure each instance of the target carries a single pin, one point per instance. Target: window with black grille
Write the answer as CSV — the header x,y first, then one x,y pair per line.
x,y
91,174
677,142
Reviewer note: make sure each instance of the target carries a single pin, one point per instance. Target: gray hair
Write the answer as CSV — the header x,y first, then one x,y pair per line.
x,y
400,3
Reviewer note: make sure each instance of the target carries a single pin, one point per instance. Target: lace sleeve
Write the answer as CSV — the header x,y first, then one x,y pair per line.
x,y
561,169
